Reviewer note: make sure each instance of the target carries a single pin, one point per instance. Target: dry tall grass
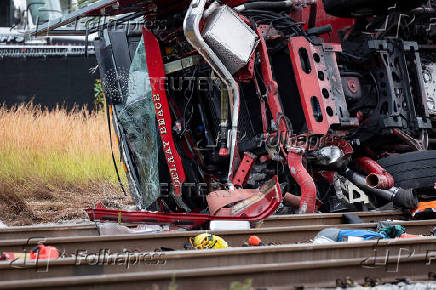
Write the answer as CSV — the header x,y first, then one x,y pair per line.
x,y
54,163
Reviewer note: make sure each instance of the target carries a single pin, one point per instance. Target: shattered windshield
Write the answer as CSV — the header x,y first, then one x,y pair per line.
x,y
137,118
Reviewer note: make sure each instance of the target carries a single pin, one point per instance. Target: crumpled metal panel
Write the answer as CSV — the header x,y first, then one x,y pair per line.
x,y
137,119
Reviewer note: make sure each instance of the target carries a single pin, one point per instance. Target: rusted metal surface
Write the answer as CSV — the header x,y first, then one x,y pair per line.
x,y
273,221
176,240
107,265
289,274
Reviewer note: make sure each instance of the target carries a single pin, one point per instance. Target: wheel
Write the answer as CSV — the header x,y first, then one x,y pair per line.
x,y
413,170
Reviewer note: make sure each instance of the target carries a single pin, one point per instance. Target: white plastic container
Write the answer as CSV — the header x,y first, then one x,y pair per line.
x,y
221,225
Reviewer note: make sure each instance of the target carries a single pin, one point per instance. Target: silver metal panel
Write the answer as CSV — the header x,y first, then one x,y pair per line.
x,y
229,37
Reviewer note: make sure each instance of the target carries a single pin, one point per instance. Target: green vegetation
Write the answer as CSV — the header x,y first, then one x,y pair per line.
x,y
246,285
54,146
60,155
99,101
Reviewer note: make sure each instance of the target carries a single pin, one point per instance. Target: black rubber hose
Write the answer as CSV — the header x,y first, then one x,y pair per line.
x,y
360,181
320,30
405,198
265,5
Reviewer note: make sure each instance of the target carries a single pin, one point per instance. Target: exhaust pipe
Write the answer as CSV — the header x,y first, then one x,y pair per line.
x,y
377,177
403,198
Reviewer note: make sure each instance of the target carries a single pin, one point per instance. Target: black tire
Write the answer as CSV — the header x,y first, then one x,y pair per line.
x,y
413,170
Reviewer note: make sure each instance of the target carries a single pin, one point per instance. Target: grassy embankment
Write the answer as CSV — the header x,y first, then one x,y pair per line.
x,y
53,164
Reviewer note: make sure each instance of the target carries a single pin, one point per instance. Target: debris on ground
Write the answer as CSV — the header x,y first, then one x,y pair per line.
x,y
219,225
113,229
384,230
410,236
331,235
206,241
255,241
40,252
390,231
424,210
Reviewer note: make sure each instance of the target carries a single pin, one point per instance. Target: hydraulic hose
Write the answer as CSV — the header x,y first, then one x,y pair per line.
x,y
304,180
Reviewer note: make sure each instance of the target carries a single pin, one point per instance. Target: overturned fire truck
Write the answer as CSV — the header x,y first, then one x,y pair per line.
x,y
240,109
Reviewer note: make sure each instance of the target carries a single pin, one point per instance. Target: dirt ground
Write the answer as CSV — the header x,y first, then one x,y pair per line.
x,y
25,205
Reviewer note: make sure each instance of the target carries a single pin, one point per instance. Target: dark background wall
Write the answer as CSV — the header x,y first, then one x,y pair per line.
x,y
48,81
5,10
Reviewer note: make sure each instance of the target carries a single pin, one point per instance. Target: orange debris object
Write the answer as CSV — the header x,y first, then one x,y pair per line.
x,y
409,236
40,252
255,241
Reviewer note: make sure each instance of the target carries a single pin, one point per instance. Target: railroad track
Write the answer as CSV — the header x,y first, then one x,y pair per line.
x,y
105,263
91,229
323,273
112,262
176,240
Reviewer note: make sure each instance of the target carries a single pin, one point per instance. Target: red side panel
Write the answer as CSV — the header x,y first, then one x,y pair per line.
x,y
315,90
157,76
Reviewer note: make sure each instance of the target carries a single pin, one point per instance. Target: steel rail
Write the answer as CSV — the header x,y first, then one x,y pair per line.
x,y
290,274
330,218
105,264
176,240
24,232
273,221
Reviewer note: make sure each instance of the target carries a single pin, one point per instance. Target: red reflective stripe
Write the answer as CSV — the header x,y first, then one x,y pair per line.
x,y
156,74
